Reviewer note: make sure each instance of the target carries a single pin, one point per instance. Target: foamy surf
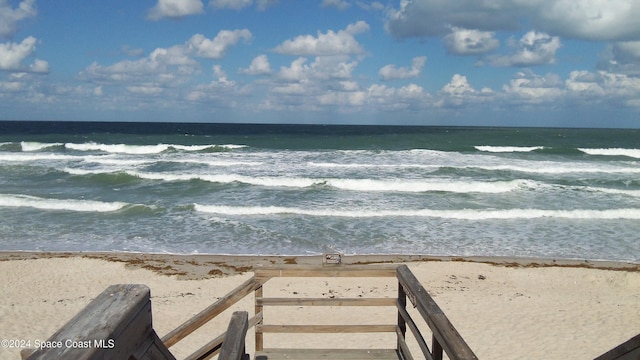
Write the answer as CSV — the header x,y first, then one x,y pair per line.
x,y
19,200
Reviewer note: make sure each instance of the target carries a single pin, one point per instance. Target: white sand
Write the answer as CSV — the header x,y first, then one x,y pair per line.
x,y
512,313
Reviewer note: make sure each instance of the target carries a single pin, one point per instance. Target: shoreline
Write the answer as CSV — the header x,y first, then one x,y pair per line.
x,y
204,266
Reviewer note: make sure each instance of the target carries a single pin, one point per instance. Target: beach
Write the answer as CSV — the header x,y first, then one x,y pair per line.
x,y
504,308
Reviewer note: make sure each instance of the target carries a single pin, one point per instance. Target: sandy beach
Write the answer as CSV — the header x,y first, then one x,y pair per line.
x,y
503,308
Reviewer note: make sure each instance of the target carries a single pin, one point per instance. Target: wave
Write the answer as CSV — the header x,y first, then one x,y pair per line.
x,y
346,184
37,146
25,157
145,149
507,149
634,153
377,166
465,214
13,200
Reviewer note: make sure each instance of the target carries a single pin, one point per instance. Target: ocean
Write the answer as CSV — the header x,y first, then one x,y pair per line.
x,y
312,189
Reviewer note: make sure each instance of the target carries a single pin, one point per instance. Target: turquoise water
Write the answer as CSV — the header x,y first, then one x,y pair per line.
x,y
299,189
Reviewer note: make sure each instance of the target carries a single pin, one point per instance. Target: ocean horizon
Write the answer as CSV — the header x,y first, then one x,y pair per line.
x,y
276,189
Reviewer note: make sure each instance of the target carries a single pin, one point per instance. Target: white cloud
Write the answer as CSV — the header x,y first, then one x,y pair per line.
x,y
470,42
12,55
436,17
340,4
622,57
241,4
604,86
600,20
217,48
264,4
175,9
458,92
385,98
259,66
390,72
146,89
325,44
230,4
9,17
533,48
323,68
533,88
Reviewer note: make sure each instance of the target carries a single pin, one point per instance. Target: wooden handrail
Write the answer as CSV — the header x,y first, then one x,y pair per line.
x,y
210,312
444,333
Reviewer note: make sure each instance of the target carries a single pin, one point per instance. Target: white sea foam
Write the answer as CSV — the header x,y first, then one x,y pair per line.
x,y
26,157
465,214
635,153
18,200
142,149
429,185
349,184
378,166
37,146
507,149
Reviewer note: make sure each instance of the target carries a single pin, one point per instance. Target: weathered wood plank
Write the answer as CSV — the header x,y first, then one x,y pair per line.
x,y
326,301
213,347
325,328
319,271
319,354
116,324
210,312
444,332
233,347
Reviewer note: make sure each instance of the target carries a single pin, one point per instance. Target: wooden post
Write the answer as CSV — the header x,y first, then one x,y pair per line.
x,y
402,324
258,309
233,347
115,325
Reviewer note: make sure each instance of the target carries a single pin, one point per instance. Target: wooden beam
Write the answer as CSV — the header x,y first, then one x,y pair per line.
x,y
233,347
326,302
319,271
325,328
210,312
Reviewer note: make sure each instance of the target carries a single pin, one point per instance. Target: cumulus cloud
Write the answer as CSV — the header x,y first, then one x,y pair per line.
x,y
340,4
470,42
533,48
217,48
434,17
259,66
533,88
230,4
12,56
9,17
325,44
600,20
622,57
175,9
391,72
388,98
604,86
458,91
241,4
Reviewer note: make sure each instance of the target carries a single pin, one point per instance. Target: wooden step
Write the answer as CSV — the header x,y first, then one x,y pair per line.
x,y
318,354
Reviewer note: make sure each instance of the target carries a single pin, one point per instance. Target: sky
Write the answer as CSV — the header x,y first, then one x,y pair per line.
x,y
560,63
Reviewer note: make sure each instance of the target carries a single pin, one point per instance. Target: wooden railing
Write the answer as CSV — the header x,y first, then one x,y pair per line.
x,y
445,337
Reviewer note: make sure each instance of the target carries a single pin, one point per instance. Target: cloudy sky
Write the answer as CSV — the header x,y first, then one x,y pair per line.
x,y
429,62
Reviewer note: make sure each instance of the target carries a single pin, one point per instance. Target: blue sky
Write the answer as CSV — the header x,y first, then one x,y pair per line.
x,y
429,62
